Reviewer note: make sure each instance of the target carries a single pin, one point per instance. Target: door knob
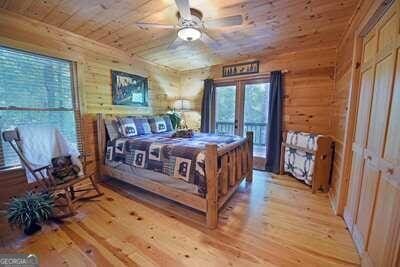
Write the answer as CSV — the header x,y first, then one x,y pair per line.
x,y
369,158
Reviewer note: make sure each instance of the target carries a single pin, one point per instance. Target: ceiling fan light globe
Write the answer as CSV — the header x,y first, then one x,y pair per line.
x,y
189,34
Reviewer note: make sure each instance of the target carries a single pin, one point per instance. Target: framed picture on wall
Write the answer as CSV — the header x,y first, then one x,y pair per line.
x,y
129,89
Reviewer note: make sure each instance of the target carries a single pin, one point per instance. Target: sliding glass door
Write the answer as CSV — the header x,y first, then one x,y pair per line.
x,y
242,106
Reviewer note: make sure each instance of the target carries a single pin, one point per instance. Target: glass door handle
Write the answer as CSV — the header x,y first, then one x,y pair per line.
x,y
236,124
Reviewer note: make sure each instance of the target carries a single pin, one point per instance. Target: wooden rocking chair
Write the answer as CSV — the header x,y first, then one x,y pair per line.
x,y
60,188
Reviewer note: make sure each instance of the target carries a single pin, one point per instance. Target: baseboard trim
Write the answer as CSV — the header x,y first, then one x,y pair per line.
x,y
349,221
332,201
358,241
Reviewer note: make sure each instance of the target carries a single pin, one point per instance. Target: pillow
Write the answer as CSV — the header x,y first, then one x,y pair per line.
x,y
127,126
168,123
112,129
158,124
142,125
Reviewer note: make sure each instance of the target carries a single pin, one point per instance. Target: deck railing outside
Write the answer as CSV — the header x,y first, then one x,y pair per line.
x,y
259,130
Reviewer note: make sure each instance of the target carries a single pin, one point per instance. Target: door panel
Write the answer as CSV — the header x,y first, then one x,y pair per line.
x,y
385,227
364,107
225,109
386,221
388,33
392,151
354,189
360,141
376,137
367,199
380,105
256,114
369,49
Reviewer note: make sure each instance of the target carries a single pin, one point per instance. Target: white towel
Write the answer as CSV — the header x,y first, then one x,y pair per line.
x,y
40,144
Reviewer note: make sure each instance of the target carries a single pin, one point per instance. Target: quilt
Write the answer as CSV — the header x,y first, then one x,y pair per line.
x,y
181,158
297,162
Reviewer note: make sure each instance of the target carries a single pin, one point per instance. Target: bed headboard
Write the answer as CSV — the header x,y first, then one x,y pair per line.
x,y
102,133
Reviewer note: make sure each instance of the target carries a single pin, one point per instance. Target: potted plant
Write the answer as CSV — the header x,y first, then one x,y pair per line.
x,y
30,210
175,118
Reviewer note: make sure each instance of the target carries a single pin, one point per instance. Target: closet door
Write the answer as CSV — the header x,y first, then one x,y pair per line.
x,y
360,139
383,244
372,211
384,66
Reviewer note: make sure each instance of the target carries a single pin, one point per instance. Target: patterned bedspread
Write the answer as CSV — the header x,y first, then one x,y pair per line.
x,y
182,158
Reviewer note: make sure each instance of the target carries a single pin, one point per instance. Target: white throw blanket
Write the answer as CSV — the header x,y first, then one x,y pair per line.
x,y
40,144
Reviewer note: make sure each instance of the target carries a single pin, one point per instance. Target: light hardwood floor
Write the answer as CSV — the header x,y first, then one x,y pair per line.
x,y
275,221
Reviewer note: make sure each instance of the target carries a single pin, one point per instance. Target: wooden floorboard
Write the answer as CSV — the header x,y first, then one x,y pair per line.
x,y
275,221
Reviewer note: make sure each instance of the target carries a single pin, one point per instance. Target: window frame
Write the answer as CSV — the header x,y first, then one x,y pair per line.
x,y
76,105
239,83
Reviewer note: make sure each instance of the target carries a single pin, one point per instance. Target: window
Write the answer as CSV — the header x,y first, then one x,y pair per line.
x,y
37,90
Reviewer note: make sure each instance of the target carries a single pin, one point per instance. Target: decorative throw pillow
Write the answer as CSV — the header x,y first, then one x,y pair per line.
x,y
157,124
142,125
112,129
127,126
168,123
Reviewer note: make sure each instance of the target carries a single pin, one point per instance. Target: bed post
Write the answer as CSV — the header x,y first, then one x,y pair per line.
x,y
282,159
101,138
211,172
249,136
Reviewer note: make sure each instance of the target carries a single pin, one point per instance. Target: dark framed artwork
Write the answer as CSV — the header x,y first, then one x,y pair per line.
x,y
129,89
241,69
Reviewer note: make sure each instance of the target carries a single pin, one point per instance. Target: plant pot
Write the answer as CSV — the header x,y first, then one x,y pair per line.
x,y
33,228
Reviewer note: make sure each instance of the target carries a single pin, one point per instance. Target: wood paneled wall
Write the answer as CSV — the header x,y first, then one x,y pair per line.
x,y
94,64
345,68
309,88
313,102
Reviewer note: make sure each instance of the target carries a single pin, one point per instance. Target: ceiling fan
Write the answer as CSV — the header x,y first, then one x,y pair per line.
x,y
191,27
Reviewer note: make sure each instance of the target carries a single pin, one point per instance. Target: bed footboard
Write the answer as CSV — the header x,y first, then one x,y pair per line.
x,y
236,163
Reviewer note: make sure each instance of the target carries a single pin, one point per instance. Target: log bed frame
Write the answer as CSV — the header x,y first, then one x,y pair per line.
x,y
236,165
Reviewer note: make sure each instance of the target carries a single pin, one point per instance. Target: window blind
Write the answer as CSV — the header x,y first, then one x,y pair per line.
x,y
36,90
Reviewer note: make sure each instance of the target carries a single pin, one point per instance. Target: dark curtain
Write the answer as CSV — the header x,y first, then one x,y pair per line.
x,y
274,131
207,105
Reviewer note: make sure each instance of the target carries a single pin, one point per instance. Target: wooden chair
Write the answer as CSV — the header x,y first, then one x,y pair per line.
x,y
60,188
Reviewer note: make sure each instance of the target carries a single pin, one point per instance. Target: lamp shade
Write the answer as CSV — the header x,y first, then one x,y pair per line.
x,y
182,104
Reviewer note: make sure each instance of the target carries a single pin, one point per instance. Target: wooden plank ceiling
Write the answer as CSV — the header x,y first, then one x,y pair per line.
x,y
270,26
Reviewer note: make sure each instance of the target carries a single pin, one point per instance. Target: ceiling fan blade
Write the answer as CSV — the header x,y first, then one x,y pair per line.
x,y
146,26
176,43
209,41
224,22
184,9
